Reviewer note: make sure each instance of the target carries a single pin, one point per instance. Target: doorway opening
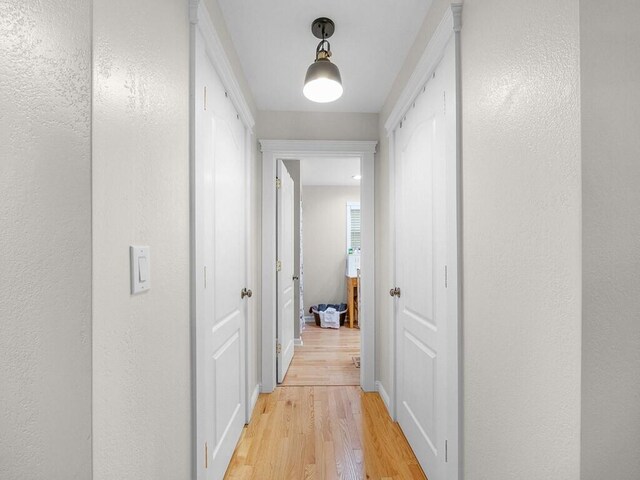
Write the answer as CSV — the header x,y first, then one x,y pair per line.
x,y
327,248
325,357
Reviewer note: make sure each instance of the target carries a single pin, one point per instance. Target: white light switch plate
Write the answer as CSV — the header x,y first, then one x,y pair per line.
x,y
140,269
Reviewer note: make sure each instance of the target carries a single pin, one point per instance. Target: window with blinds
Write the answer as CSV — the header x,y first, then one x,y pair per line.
x,y
353,226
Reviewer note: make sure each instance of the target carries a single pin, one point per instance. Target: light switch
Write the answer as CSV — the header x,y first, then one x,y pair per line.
x,y
143,269
140,269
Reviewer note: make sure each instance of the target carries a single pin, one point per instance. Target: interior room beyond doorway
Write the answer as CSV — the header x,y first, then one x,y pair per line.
x,y
327,231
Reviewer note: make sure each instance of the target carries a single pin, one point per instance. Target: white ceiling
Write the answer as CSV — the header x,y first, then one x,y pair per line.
x,y
274,42
329,171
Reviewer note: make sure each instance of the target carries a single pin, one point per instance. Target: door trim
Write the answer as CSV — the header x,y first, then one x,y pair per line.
x,y
273,150
201,20
448,30
202,26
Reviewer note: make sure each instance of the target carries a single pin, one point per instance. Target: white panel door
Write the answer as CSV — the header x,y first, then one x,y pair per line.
x,y
285,284
421,252
220,210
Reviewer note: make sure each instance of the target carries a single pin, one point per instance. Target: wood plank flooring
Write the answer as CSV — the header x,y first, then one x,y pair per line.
x,y
319,425
326,358
306,433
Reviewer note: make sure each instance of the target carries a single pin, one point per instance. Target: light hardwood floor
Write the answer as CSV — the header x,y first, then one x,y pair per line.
x,y
325,358
304,433
329,431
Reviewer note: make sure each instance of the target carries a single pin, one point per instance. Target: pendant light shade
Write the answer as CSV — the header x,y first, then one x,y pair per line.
x,y
323,83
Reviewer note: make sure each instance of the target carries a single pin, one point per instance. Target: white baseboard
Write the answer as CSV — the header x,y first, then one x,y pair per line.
x,y
297,342
264,390
254,398
385,396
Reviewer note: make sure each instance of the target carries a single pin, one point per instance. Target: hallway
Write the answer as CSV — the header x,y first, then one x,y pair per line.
x,y
319,424
325,358
322,433
139,156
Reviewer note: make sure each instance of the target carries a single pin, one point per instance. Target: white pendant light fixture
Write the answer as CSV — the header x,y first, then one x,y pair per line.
x,y
323,83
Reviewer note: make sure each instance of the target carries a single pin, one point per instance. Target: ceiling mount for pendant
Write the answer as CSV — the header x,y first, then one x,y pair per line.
x,y
323,27
323,83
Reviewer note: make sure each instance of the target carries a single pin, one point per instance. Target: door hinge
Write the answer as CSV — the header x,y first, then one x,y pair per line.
x,y
278,266
446,277
279,348
446,450
206,455
278,183
205,97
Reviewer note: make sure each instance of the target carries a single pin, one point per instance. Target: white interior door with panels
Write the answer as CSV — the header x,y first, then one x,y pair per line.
x,y
425,158
287,315
220,268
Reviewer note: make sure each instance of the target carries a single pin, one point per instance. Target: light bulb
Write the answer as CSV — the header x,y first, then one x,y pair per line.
x,y
322,90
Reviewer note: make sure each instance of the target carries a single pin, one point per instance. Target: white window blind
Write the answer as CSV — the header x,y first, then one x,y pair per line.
x,y
353,226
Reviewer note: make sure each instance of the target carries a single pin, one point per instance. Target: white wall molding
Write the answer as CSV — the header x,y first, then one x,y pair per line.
x,y
200,17
385,397
254,398
450,23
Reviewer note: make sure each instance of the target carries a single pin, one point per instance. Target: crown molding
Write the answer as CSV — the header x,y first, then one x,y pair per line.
x,y
200,18
450,23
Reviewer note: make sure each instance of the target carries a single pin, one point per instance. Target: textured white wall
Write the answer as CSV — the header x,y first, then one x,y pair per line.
x,y
142,389
324,217
317,126
45,240
610,71
521,239
521,228
141,344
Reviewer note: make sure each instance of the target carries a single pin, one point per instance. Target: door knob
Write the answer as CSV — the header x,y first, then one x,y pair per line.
x,y
295,278
246,293
394,292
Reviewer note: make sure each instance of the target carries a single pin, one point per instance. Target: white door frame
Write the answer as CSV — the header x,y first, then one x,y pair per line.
x,y
272,151
202,28
448,30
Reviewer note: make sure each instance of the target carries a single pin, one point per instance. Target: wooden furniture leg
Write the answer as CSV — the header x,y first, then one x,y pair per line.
x,y
350,300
